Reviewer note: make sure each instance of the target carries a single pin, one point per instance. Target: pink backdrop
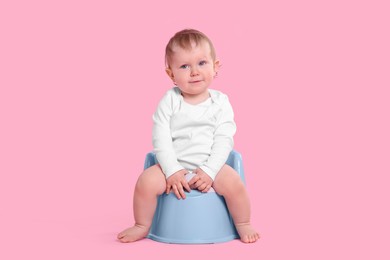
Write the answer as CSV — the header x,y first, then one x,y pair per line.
x,y
309,83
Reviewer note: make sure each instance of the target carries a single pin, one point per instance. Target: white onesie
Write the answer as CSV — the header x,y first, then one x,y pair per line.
x,y
189,136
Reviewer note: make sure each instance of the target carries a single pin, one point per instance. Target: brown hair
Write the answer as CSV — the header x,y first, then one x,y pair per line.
x,y
184,39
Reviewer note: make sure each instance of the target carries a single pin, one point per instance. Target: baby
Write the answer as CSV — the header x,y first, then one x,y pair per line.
x,y
193,131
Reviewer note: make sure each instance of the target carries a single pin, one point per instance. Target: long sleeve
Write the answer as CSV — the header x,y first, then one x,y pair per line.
x,y
162,139
223,139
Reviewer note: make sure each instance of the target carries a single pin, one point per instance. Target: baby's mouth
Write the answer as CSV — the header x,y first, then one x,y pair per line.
x,y
195,81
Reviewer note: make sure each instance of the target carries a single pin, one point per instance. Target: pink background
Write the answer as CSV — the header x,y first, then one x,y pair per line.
x,y
309,82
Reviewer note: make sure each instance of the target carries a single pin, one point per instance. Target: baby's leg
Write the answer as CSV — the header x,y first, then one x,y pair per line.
x,y
228,184
150,185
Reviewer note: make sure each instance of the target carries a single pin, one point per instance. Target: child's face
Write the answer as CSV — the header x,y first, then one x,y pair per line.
x,y
193,70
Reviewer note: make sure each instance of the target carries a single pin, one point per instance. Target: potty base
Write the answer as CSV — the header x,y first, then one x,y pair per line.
x,y
201,218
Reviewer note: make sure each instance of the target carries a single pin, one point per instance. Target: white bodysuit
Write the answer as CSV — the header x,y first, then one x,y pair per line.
x,y
189,136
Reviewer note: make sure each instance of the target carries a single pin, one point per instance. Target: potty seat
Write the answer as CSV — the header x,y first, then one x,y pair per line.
x,y
201,218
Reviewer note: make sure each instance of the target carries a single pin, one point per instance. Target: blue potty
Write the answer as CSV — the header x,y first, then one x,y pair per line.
x,y
201,218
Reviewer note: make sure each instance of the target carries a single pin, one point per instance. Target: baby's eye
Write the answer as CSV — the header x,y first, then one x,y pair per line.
x,y
203,62
185,66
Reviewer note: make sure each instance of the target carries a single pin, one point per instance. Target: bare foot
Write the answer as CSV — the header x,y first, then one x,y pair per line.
x,y
247,233
133,233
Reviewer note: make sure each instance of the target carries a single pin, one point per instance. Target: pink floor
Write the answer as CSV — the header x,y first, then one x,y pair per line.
x,y
77,216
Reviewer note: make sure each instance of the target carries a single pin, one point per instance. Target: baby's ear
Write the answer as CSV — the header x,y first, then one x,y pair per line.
x,y
217,65
169,72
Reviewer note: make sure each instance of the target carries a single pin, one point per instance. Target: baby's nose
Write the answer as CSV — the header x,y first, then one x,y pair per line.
x,y
194,72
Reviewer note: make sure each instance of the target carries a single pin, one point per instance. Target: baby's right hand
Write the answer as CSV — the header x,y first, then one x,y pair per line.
x,y
177,182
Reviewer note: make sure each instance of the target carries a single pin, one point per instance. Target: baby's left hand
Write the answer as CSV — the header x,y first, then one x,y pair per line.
x,y
201,181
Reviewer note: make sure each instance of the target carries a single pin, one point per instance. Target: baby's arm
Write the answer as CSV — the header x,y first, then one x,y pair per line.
x,y
223,140
162,139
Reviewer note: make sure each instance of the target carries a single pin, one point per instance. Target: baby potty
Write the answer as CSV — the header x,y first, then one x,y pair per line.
x,y
199,219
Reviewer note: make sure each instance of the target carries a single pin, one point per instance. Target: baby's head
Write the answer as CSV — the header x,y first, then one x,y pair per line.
x,y
191,62
186,39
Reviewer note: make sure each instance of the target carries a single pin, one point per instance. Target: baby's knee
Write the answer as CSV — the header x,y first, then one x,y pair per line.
x,y
227,182
151,180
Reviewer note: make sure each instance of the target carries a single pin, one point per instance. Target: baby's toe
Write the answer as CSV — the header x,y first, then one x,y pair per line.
x,y
245,239
253,238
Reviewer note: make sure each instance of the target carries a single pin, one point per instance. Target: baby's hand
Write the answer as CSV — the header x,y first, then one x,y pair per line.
x,y
201,181
176,182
